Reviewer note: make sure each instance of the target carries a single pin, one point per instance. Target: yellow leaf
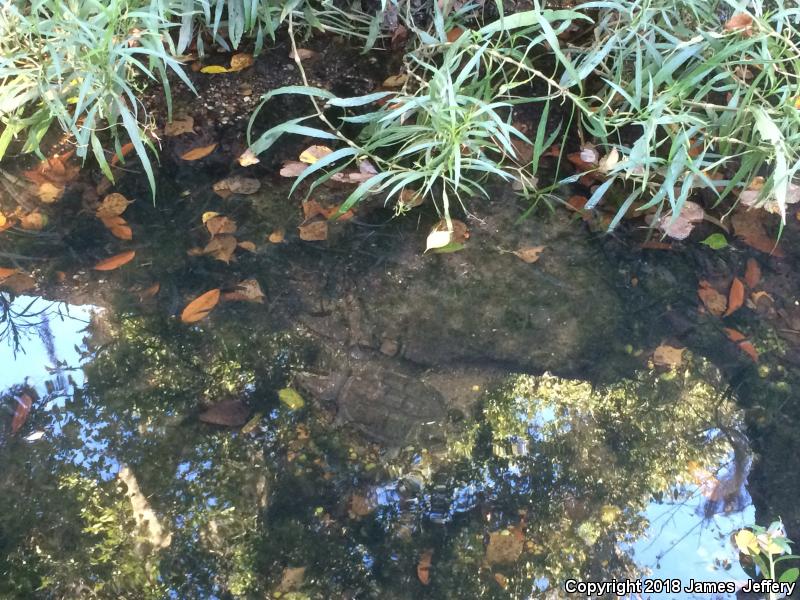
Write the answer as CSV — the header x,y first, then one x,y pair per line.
x,y
240,61
276,237
48,192
198,153
395,81
199,308
746,542
209,215
115,261
291,398
214,69
248,158
313,153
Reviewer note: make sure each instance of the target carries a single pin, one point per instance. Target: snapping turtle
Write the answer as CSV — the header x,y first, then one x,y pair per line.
x,y
385,404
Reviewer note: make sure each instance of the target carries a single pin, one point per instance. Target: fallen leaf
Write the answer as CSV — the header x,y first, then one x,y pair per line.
x,y
316,231
668,356
49,192
501,580
34,221
291,579
292,168
410,198
739,22
124,151
454,34
199,308
219,224
715,241
395,81
21,412
112,205
179,127
712,299
360,506
749,226
750,350
208,215
150,292
505,546
291,399
424,567
529,254
752,274
18,283
228,413
438,238
313,153
5,273
237,185
735,296
248,290
122,232
241,61
247,245
214,69
756,297
248,158
608,162
351,177
303,54
221,247
198,153
115,261
733,335
277,236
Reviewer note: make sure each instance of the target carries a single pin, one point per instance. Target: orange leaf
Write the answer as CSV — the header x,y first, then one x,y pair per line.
x,y
150,292
198,153
123,232
424,567
124,151
749,349
21,412
111,222
454,34
199,308
241,61
739,22
752,274
733,335
276,237
116,261
219,224
34,221
712,299
5,272
315,231
735,296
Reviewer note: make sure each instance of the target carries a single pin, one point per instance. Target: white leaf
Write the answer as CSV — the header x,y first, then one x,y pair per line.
x,y
438,239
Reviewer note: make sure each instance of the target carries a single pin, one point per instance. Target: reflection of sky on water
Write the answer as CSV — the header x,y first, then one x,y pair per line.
x,y
680,543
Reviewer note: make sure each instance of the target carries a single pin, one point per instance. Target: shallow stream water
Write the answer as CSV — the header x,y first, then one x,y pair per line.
x,y
384,424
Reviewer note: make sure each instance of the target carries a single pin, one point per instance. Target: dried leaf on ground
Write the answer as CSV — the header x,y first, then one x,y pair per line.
x,y
21,411
115,261
34,221
351,177
454,33
221,247
681,226
313,153
277,236
740,22
529,254
241,61
668,356
505,546
424,567
214,70
219,224
749,226
179,127
248,290
228,413
750,350
49,192
303,54
315,231
248,158
112,205
292,168
609,161
237,185
199,308
733,335
410,198
752,274
199,152
247,245
395,81
149,292
735,296
714,302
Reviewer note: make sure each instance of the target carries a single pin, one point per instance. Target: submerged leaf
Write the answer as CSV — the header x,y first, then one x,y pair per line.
x,y
712,299
179,127
248,290
752,274
735,296
529,254
316,231
200,307
424,567
113,205
291,399
115,261
668,356
200,152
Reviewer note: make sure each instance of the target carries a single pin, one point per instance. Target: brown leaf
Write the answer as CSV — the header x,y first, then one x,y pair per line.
x,y
277,236
668,356
733,335
410,198
712,299
315,231
752,274
424,567
5,272
221,247
248,290
124,151
179,127
228,413
220,224
237,185
501,580
740,22
303,54
49,192
115,261
749,226
113,205
395,81
454,34
248,158
312,208
292,168
34,221
241,61
21,412
313,153
199,308
750,350
529,254
291,579
248,246
19,283
505,546
122,232
111,222
735,296
198,153
360,506
150,292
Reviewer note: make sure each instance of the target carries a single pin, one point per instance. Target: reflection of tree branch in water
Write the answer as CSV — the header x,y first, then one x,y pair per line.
x,y
18,324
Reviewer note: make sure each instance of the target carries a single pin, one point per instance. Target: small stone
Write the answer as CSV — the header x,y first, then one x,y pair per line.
x,y
389,347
